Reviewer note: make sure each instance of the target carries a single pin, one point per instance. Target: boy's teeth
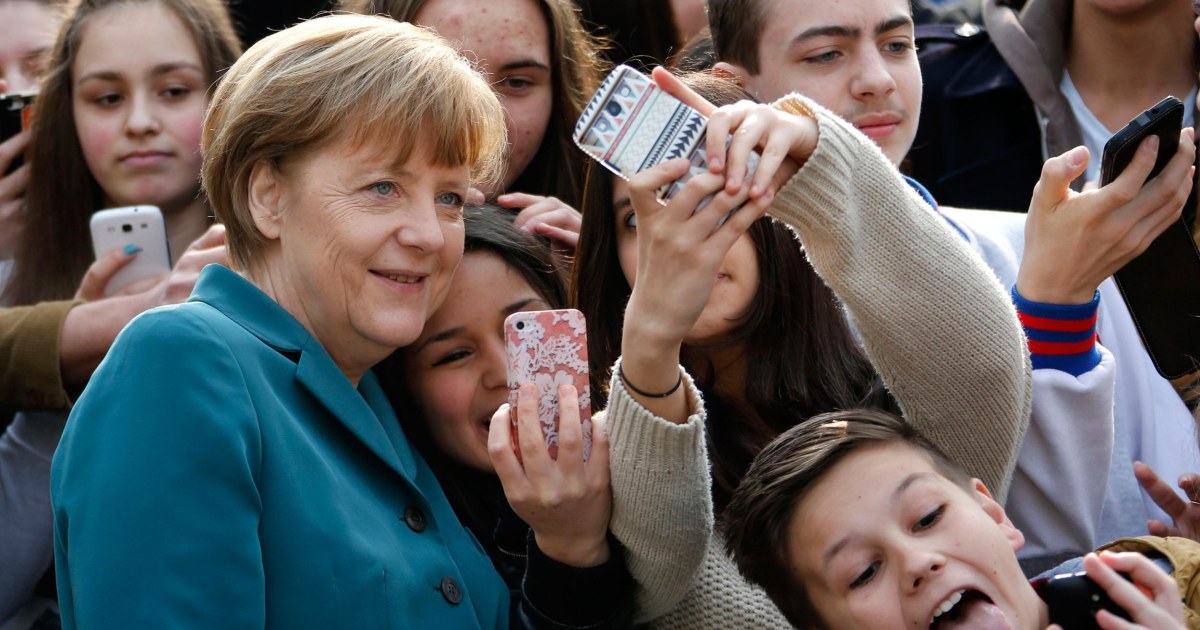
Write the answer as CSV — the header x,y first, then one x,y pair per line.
x,y
948,604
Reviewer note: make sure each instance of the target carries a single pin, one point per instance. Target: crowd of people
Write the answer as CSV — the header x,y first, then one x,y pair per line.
x,y
820,397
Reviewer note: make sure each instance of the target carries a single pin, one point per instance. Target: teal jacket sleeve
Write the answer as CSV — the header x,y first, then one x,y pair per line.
x,y
155,488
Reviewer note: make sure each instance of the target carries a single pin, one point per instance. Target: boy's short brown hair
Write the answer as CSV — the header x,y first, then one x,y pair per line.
x,y
757,520
736,26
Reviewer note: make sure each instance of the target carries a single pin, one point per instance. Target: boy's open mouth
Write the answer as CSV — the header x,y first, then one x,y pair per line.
x,y
968,609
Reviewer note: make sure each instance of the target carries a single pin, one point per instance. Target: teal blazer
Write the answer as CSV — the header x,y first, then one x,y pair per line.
x,y
220,471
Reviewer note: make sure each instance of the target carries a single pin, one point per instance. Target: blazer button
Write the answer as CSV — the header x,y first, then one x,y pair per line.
x,y
451,591
414,519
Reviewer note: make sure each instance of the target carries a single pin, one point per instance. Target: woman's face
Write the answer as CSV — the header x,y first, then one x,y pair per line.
x,y
138,88
510,41
457,369
362,249
734,286
27,29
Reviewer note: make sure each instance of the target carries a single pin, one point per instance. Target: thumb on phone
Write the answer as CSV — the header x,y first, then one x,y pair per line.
x,y
101,272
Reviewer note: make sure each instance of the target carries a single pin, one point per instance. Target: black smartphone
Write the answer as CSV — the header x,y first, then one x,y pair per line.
x,y
1073,600
16,114
1161,287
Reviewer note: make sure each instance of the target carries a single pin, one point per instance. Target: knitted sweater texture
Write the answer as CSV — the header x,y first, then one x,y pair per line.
x,y
934,321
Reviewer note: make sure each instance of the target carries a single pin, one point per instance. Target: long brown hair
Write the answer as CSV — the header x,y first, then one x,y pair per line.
x,y
805,357
54,250
557,169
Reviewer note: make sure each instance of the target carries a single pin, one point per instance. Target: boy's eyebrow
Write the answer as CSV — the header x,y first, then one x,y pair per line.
x,y
848,31
900,489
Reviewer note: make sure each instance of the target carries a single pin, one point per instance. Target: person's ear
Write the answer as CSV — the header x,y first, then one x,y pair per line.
x,y
994,510
731,72
266,198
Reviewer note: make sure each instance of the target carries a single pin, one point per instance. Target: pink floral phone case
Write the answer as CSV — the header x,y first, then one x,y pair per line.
x,y
548,349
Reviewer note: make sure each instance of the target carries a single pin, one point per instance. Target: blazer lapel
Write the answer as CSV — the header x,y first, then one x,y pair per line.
x,y
317,372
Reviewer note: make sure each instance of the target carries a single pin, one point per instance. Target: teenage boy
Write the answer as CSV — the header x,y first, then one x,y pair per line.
x,y
858,59
854,520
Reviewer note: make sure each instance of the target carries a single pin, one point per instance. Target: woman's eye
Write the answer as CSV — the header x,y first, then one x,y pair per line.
x,y
865,576
107,99
630,220
930,519
516,84
383,189
176,92
450,199
451,357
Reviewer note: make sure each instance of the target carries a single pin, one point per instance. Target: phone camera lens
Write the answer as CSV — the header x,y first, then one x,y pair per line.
x,y
520,325
127,228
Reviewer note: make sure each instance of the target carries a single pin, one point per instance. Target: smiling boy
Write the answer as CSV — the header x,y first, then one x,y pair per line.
x,y
855,520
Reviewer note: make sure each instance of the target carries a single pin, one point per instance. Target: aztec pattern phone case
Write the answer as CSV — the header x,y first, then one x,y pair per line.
x,y
631,125
548,349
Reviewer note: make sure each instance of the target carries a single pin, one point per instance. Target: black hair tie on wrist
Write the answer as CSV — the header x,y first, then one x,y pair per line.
x,y
639,392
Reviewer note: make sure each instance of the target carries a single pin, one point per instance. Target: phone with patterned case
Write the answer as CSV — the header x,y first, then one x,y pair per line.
x,y
631,125
548,349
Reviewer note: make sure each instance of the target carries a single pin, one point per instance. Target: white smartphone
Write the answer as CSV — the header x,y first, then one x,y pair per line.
x,y
141,227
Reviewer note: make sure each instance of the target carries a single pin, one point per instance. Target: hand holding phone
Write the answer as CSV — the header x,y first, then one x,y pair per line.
x,y
1161,286
1073,600
631,125
137,229
547,349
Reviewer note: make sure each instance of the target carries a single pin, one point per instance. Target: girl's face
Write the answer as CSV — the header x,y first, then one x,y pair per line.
x,y
138,99
734,287
457,369
27,29
510,41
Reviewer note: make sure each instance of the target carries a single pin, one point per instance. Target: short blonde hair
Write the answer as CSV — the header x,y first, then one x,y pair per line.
x,y
361,78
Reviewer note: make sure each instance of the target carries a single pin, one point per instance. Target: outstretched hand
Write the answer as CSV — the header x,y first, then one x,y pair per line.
x,y
566,501
1184,511
785,141
1074,240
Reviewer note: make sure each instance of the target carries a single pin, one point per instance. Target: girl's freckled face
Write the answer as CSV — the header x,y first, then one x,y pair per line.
x,y
510,41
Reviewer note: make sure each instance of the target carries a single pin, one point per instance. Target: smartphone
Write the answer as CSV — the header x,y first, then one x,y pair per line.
x,y
1161,287
141,226
16,115
1073,600
548,349
631,125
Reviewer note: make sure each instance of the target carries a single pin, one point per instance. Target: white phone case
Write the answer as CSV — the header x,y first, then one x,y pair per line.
x,y
141,226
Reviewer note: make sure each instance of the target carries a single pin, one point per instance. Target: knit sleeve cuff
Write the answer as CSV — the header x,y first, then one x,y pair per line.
x,y
33,380
632,428
1061,336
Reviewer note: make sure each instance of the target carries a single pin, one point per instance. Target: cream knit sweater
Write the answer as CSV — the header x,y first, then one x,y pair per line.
x,y
933,320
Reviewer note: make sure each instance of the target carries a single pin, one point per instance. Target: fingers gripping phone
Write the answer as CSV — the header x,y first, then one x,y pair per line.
x,y
141,227
1073,600
16,115
631,125
1161,287
549,349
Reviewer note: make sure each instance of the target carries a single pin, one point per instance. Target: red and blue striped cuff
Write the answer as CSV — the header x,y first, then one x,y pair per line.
x,y
1061,336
